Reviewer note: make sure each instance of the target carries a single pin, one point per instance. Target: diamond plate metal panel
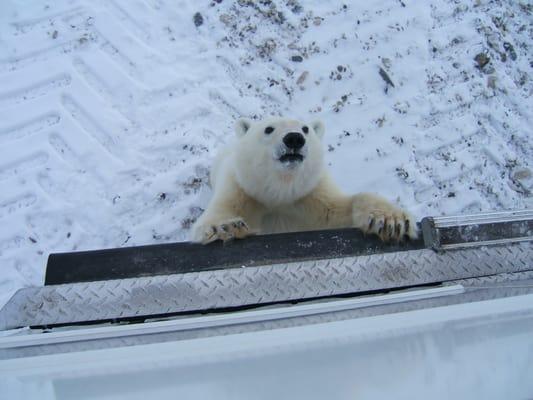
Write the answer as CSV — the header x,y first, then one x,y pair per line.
x,y
496,287
197,291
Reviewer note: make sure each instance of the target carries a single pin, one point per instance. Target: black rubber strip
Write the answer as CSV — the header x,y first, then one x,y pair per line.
x,y
176,258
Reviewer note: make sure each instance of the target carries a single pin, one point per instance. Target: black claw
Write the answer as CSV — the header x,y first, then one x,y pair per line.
x,y
407,223
398,229
381,226
371,223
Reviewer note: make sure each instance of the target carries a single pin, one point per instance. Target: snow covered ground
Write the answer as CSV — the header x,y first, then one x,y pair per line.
x,y
111,111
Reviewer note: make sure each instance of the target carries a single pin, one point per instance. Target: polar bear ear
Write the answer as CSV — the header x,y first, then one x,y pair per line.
x,y
242,125
319,128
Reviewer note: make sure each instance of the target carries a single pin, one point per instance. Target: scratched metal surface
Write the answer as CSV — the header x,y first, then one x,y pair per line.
x,y
114,299
476,289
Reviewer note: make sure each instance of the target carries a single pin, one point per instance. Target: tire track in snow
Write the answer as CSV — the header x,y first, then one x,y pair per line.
x,y
90,125
37,89
29,127
23,165
133,24
17,204
459,162
43,21
40,55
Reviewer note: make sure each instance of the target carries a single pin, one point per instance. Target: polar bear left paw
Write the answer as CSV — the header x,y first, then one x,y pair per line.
x,y
227,230
392,225
386,221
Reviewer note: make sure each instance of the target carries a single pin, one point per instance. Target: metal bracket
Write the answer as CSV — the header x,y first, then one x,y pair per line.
x,y
444,233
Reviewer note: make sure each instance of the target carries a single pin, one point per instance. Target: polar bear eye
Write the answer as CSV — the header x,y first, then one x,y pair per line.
x,y
305,129
269,130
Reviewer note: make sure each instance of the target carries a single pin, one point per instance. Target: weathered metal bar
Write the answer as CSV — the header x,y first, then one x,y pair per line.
x,y
179,258
238,287
441,233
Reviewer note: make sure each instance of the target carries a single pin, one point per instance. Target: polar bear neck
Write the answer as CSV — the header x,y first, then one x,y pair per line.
x,y
274,187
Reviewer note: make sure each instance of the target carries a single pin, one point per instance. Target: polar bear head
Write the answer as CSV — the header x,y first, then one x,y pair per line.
x,y
278,160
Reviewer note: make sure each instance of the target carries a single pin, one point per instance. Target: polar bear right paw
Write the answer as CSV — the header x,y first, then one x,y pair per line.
x,y
227,230
374,215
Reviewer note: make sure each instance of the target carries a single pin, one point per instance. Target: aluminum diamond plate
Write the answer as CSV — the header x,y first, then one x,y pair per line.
x,y
490,290
197,291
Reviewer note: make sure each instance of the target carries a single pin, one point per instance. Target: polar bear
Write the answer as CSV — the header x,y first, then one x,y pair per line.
x,y
273,179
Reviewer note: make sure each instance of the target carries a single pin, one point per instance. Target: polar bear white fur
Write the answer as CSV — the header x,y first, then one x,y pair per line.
x,y
273,179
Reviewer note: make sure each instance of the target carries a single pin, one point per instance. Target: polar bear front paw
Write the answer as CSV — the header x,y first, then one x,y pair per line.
x,y
375,215
391,225
227,230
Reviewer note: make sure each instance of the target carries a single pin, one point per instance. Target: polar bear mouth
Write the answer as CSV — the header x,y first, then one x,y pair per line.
x,y
291,158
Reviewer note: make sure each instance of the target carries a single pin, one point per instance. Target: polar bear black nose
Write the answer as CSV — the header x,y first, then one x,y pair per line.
x,y
294,140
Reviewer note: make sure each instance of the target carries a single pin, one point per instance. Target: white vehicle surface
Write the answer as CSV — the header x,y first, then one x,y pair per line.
x,y
478,350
